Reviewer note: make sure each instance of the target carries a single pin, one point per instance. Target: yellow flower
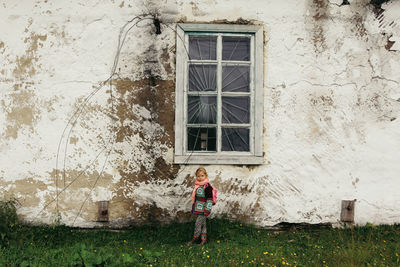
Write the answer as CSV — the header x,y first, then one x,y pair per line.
x,y
218,241
123,255
247,256
208,256
397,254
283,262
266,252
140,248
94,250
262,263
124,241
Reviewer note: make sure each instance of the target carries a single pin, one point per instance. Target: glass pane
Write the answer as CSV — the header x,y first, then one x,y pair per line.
x,y
201,139
235,48
236,109
235,139
202,77
203,47
202,109
235,78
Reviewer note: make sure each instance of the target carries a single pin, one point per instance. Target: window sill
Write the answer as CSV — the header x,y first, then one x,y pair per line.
x,y
222,159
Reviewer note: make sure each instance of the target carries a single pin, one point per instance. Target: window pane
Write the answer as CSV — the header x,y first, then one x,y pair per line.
x,y
235,48
203,47
201,139
235,139
202,77
236,109
202,109
235,78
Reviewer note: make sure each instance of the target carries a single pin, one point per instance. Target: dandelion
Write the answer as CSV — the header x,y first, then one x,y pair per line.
x,y
283,262
141,249
397,254
208,256
266,252
262,263
94,250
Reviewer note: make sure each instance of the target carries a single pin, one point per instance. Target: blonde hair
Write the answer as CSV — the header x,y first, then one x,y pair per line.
x,y
201,169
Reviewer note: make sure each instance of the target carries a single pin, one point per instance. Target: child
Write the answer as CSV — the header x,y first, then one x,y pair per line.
x,y
202,204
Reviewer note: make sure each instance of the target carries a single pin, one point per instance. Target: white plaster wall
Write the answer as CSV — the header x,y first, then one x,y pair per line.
x,y
332,101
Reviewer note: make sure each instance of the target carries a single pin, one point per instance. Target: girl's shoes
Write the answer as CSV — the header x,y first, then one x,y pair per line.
x,y
203,239
193,241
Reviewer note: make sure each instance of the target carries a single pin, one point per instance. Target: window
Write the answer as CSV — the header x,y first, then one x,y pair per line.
x,y
219,94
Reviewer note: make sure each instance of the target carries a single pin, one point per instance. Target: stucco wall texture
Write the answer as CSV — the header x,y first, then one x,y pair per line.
x,y
71,137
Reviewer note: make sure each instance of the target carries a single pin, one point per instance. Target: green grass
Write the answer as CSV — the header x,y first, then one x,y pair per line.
x,y
230,244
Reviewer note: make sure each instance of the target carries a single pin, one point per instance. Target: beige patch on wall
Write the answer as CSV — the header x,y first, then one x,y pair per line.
x,y
25,64
21,112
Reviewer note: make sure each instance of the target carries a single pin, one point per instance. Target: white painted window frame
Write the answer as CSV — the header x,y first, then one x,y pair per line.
x,y
255,156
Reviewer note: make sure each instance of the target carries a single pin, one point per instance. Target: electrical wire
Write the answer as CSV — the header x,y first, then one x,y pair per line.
x,y
80,110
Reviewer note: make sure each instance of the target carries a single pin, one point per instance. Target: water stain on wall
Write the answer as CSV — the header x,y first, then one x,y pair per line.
x,y
319,12
26,64
21,111
156,96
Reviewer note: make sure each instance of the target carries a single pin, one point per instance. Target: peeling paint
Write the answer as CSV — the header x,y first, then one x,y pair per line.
x,y
330,118
20,112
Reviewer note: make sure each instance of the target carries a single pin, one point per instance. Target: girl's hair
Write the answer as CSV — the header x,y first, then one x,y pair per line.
x,y
201,169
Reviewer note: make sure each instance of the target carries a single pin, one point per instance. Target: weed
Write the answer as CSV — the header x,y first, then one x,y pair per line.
x,y
8,221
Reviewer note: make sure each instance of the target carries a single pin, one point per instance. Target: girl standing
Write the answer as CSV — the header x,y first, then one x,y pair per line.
x,y
202,204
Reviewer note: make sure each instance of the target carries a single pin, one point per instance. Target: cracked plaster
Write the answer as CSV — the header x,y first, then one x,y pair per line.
x,y
331,67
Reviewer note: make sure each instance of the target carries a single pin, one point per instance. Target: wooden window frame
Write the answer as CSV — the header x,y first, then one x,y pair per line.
x,y
255,156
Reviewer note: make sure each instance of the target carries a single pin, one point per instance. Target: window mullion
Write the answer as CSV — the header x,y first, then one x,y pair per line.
x,y
185,91
219,91
252,102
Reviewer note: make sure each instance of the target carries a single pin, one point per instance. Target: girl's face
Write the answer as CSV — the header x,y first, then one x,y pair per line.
x,y
201,176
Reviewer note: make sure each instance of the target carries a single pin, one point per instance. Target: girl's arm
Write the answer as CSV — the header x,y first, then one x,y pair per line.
x,y
208,207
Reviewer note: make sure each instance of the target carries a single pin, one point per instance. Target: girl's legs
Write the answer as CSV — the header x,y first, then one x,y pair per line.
x,y
203,230
200,230
200,226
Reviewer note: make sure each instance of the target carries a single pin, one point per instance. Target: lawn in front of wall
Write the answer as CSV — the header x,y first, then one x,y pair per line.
x,y
230,244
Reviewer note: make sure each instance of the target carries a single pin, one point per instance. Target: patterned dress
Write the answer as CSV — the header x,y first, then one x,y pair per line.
x,y
203,200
